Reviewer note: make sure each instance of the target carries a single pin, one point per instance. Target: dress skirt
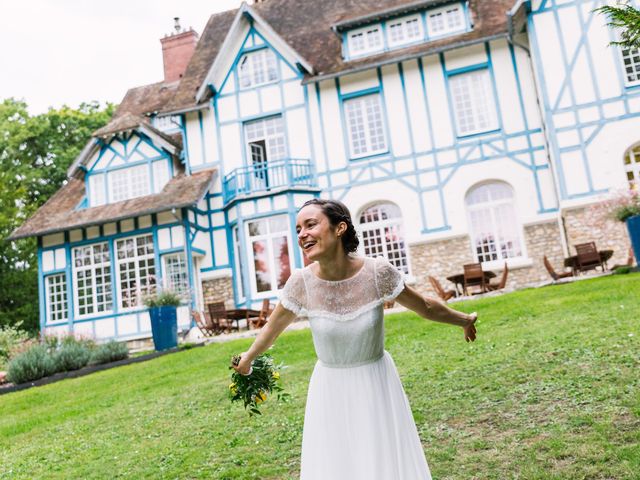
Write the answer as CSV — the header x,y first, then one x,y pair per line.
x,y
358,425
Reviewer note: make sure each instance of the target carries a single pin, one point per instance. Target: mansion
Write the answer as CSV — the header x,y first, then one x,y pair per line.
x,y
455,132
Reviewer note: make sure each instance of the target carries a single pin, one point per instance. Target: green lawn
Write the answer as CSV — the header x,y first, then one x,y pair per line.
x,y
550,390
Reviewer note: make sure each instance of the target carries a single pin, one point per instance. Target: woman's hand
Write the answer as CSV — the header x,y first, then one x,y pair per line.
x,y
243,366
470,328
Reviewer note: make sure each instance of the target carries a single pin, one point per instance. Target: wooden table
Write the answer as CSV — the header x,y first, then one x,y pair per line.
x,y
458,279
572,262
237,314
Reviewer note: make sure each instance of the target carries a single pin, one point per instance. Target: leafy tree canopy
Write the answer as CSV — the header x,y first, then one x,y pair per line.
x,y
35,152
627,19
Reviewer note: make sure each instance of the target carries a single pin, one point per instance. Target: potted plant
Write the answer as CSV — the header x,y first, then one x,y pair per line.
x,y
163,305
625,207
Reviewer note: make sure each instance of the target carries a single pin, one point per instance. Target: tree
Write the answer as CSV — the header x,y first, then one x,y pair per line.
x,y
626,18
35,153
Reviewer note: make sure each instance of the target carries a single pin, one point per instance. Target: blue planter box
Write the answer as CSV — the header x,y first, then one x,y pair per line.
x,y
164,327
633,225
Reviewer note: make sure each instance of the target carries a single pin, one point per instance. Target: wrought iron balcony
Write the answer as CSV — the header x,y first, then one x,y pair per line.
x,y
266,176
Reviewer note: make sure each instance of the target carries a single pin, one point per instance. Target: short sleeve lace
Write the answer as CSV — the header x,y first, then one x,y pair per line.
x,y
294,294
389,281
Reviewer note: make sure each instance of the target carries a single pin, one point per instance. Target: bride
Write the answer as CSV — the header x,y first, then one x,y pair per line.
x,y
358,423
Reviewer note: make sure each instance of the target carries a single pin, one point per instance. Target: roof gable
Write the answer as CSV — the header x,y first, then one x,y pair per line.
x,y
245,18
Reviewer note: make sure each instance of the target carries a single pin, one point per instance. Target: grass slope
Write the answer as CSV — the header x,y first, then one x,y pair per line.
x,y
548,391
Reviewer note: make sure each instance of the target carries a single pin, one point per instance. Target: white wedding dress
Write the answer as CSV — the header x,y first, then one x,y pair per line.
x,y
358,423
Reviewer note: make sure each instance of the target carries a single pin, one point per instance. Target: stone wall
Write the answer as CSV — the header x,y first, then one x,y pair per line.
x,y
443,258
587,224
218,290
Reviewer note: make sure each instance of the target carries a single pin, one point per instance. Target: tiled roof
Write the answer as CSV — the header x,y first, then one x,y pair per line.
x,y
307,26
59,212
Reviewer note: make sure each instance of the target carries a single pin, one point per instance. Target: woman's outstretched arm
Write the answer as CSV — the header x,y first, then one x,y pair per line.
x,y
279,319
436,310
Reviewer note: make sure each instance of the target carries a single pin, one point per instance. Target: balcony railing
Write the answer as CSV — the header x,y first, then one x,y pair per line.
x,y
267,176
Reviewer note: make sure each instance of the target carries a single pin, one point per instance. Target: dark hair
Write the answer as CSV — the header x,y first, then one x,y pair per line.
x,y
337,212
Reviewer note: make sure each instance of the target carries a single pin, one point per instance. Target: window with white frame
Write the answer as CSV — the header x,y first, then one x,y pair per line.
x,y
257,68
365,125
631,64
404,30
238,264
381,230
473,102
269,246
495,231
129,182
136,269
97,190
265,141
632,167
445,20
167,123
176,276
92,279
56,296
365,40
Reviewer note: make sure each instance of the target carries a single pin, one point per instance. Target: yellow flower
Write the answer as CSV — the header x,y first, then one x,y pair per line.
x,y
276,375
261,397
232,386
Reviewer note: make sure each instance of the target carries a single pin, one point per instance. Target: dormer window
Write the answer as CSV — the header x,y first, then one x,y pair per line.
x,y
445,20
397,32
130,182
404,30
169,123
257,68
366,40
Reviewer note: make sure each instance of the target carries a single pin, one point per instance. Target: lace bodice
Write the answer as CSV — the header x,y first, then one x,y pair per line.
x,y
346,316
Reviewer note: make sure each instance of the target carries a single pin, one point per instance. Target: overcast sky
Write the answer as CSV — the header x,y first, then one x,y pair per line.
x,y
55,52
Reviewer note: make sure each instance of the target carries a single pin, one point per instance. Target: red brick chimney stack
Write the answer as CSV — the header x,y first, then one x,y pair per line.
x,y
177,50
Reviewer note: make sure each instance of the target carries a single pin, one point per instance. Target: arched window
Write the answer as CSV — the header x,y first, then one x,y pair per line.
x,y
632,166
495,233
381,232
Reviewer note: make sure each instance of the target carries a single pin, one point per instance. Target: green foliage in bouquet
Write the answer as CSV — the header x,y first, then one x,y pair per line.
x,y
253,389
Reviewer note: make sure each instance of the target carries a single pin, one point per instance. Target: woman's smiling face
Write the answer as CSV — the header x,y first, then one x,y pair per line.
x,y
316,236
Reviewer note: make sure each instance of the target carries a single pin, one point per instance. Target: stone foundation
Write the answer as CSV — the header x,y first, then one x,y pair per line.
x,y
218,290
446,257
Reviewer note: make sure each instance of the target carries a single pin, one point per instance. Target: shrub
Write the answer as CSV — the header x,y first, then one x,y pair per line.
x,y
109,352
71,355
31,365
163,298
11,337
622,270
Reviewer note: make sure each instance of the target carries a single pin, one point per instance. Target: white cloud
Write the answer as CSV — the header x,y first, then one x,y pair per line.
x,y
69,51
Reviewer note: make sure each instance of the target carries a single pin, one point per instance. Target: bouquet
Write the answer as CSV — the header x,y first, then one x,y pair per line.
x,y
253,389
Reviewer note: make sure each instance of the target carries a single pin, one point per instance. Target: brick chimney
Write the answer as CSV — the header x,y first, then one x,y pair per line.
x,y
177,50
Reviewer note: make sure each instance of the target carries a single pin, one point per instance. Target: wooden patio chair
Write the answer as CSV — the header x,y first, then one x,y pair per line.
x,y
629,261
261,320
494,284
218,314
474,277
437,287
552,272
588,257
204,324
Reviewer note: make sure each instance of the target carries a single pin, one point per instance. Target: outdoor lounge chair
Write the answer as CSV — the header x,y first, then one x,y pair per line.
x,y
499,285
552,272
261,320
204,324
474,277
218,314
442,293
588,257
